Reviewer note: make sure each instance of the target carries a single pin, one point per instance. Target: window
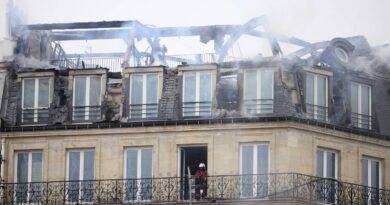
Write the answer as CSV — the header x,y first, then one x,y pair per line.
x,y
28,172
371,173
138,174
86,98
361,105
35,100
197,93
327,170
143,95
80,173
254,169
317,96
258,91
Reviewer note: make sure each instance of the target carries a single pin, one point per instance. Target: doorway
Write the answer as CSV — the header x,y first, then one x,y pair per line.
x,y
190,157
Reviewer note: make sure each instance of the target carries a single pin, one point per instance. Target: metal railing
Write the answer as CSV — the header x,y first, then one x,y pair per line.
x,y
201,108
317,112
274,186
35,116
114,64
138,111
86,113
361,120
258,106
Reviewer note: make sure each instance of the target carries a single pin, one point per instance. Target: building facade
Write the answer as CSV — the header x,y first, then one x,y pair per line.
x,y
275,130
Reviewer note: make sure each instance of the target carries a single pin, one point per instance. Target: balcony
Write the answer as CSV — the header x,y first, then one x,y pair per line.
x,y
258,106
361,120
200,108
140,111
317,112
86,113
266,187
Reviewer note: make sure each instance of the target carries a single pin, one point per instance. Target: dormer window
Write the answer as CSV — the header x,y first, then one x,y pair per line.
x,y
143,101
316,96
197,99
35,100
258,91
87,98
361,105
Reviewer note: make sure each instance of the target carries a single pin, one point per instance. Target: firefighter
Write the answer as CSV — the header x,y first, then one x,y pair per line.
x,y
200,182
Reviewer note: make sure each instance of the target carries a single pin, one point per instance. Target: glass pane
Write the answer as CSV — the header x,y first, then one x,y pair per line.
x,y
266,91
375,174
74,166
146,174
131,164
247,170
320,163
189,95
74,175
43,99
22,175
365,100
365,171
331,164
205,93
136,96
88,175
29,92
36,168
321,90
250,91
309,95
95,89
79,91
131,183
152,91
354,98
262,170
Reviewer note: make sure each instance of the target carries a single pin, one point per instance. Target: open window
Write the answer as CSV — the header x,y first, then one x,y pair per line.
x,y
361,105
28,176
258,91
35,100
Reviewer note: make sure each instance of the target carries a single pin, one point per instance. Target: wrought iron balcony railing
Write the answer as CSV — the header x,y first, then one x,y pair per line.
x,y
86,113
317,112
35,116
259,106
361,120
138,111
280,186
201,108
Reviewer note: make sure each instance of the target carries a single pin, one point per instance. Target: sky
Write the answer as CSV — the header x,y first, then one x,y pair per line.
x,y
310,20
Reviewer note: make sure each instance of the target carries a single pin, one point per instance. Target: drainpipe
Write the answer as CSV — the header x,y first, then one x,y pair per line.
x,y
2,159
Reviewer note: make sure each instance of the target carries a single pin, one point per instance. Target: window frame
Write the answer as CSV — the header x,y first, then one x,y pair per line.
x,y
87,94
254,145
29,172
144,93
359,103
315,94
139,170
324,168
259,72
370,159
197,92
36,97
81,173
